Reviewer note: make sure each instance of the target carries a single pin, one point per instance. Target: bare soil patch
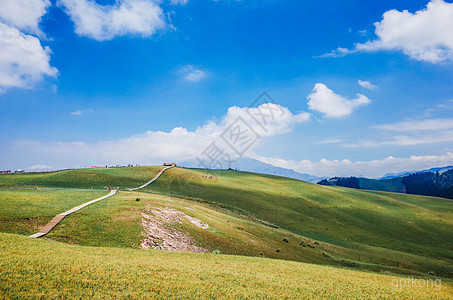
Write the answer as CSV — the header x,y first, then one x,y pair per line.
x,y
161,233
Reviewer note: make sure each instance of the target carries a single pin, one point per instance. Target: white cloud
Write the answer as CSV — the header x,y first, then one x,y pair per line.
x,y
40,167
81,112
334,140
99,22
447,105
372,169
419,125
156,146
190,73
339,52
324,100
279,119
416,132
23,61
406,140
367,85
24,14
76,113
425,35
179,2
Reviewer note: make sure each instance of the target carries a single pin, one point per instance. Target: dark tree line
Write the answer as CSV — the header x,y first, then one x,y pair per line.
x,y
325,182
430,184
350,182
427,183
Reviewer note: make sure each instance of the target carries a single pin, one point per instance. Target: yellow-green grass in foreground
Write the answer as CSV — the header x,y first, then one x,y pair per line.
x,y
27,211
116,222
31,268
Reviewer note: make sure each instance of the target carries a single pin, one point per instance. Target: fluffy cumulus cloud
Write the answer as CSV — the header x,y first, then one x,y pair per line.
x,y
372,168
102,22
156,146
267,119
367,85
325,100
24,14
23,60
425,35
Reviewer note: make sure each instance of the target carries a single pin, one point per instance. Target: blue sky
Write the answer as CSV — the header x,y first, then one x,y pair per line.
x,y
107,82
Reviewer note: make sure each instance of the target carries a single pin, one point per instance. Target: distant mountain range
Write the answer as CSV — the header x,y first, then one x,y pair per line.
x,y
405,173
256,166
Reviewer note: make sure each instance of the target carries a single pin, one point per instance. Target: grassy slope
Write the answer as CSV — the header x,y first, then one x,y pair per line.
x,y
408,223
118,224
353,225
83,178
33,268
26,211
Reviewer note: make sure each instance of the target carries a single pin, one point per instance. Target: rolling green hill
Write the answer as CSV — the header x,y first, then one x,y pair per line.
x,y
341,216
248,214
127,177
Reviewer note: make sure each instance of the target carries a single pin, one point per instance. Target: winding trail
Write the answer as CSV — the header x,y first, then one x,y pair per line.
x,y
152,180
49,226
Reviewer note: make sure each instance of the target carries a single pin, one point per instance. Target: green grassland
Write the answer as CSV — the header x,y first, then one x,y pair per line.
x,y
31,268
248,214
83,178
341,216
25,211
118,224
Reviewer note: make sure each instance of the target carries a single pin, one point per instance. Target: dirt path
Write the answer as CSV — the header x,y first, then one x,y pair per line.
x,y
49,226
